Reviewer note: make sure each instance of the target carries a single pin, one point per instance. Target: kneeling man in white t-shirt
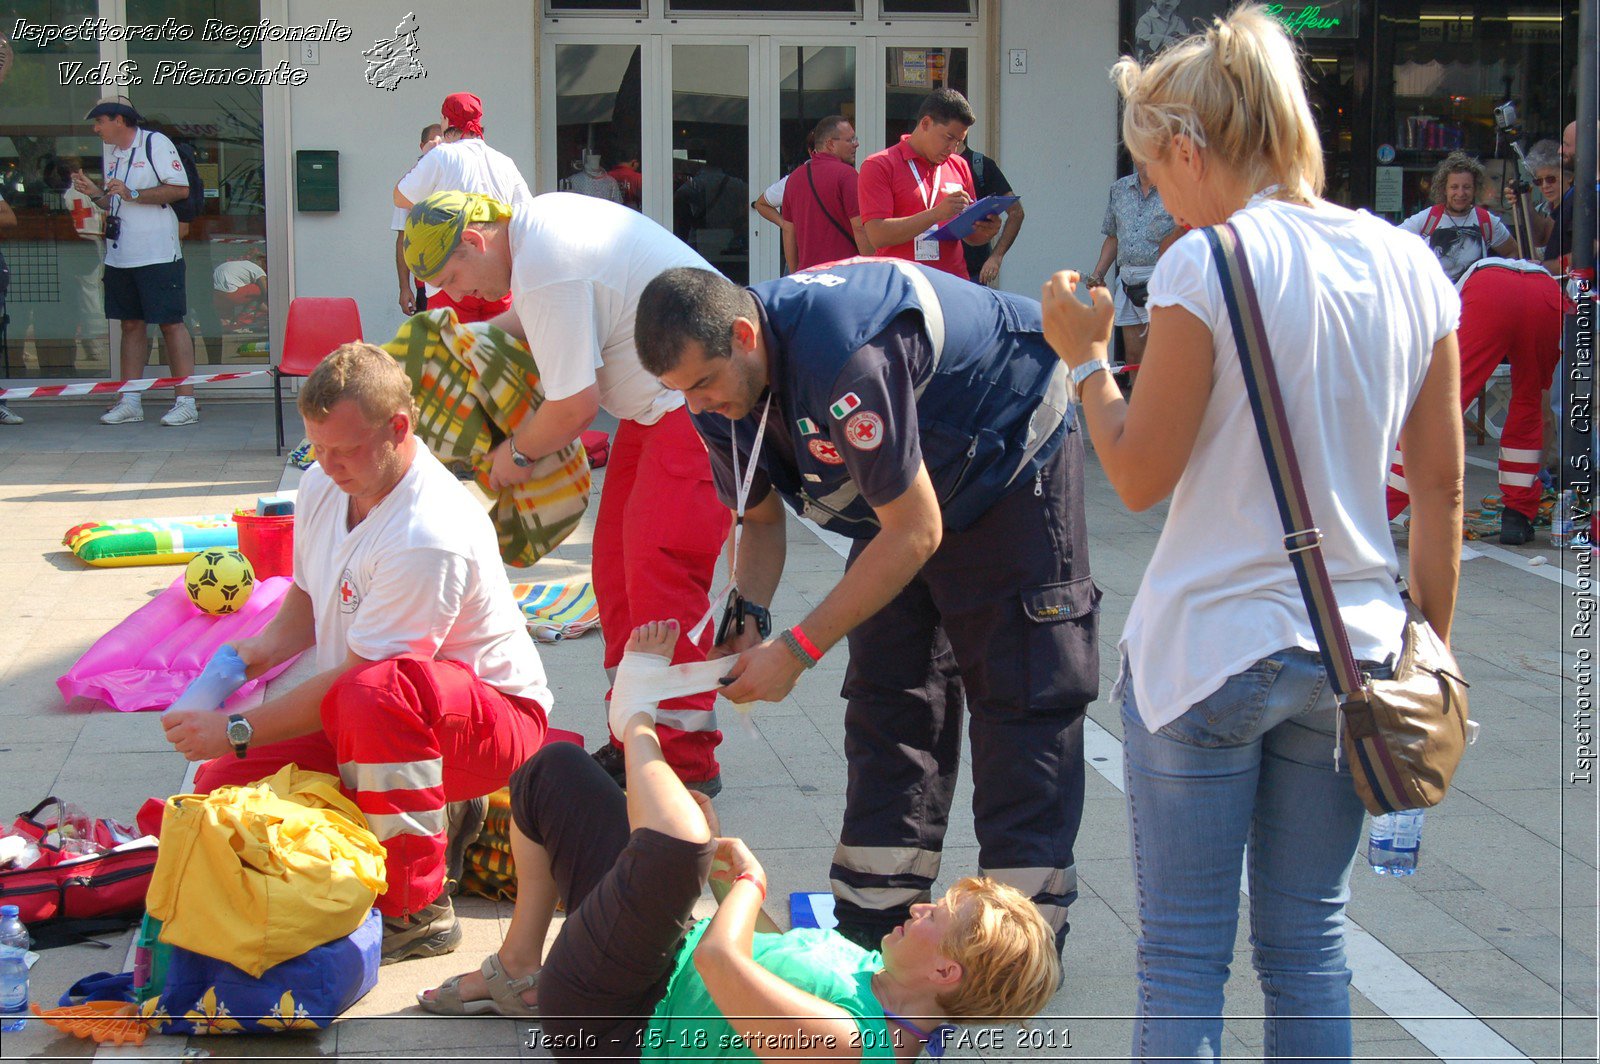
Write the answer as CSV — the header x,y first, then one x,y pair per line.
x,y
428,689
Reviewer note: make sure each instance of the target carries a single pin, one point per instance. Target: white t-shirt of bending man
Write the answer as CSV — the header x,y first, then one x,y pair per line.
x,y
149,230
421,574
578,268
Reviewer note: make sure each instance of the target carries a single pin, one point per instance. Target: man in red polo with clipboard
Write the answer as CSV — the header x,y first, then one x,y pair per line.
x,y
911,189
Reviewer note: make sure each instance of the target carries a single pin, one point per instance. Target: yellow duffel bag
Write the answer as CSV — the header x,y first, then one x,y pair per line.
x,y
258,874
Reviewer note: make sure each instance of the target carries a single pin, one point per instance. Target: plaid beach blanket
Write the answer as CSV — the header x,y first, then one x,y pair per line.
x,y
472,383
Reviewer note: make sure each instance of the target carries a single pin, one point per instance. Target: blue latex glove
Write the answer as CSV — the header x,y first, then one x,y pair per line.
x,y
223,675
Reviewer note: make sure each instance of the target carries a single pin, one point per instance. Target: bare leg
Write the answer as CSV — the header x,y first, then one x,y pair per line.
x,y
657,800
135,349
522,952
180,352
1133,337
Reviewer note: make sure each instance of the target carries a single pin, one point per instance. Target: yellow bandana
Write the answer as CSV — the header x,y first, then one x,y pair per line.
x,y
434,227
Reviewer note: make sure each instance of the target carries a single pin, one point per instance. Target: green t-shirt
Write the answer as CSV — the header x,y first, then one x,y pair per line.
x,y
687,1023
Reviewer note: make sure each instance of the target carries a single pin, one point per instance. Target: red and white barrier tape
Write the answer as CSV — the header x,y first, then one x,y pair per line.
x,y
44,391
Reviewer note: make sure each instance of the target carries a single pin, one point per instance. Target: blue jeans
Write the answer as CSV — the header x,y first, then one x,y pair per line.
x,y
1253,762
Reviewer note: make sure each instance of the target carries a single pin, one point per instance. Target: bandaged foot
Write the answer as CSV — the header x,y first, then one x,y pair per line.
x,y
646,675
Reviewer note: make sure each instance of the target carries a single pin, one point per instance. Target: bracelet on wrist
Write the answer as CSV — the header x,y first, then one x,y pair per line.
x,y
751,876
804,650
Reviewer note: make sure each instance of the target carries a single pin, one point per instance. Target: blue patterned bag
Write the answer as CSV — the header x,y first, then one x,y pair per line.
x,y
203,995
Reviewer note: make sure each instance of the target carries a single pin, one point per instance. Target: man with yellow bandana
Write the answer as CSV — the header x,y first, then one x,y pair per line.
x,y
575,267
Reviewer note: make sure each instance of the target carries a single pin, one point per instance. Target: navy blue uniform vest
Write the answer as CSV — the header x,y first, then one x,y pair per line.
x,y
990,409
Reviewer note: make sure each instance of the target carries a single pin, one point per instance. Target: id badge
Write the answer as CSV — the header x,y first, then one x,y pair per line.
x,y
926,248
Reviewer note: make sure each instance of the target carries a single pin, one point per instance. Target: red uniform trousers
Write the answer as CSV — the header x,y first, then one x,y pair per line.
x,y
405,736
657,539
1506,314
471,308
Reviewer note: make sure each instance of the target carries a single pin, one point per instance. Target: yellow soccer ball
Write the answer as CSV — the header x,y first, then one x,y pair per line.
x,y
219,581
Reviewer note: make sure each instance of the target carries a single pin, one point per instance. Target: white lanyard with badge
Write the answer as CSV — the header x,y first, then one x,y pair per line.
x,y
733,611
926,248
112,229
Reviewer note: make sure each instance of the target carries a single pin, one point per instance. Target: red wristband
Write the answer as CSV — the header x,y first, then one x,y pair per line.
x,y
752,878
806,644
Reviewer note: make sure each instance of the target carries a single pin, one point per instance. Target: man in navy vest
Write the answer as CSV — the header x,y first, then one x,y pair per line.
x,y
921,416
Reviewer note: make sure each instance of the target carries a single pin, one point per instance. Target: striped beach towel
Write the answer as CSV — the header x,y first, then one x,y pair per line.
x,y
558,611
472,383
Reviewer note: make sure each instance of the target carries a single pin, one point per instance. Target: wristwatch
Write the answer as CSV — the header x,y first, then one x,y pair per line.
x,y
1089,369
133,193
239,733
518,459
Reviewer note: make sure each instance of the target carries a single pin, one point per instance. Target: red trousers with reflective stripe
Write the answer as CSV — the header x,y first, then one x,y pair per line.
x,y
1515,316
471,308
657,539
405,736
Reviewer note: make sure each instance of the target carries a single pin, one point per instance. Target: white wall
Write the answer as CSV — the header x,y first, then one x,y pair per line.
x,y
1058,133
490,50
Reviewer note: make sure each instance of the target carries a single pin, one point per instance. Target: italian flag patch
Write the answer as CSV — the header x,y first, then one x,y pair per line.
x,y
809,427
843,407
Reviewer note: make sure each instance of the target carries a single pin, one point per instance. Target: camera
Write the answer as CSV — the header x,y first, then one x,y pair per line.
x,y
1505,118
113,227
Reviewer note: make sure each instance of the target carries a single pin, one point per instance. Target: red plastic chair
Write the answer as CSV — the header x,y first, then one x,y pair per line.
x,y
316,326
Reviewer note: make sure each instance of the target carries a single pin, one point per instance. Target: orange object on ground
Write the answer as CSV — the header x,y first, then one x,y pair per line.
x,y
107,1022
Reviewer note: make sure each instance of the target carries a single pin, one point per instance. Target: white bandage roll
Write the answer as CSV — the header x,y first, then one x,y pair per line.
x,y
645,680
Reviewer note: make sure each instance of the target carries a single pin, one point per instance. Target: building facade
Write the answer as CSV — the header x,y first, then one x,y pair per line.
x,y
302,116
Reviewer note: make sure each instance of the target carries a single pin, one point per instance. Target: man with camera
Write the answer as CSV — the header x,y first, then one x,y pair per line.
x,y
144,275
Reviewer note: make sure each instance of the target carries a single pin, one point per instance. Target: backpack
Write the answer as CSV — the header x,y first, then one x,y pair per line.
x,y
189,208
1485,223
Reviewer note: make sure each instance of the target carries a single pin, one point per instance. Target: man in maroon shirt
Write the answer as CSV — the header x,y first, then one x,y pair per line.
x,y
820,197
920,184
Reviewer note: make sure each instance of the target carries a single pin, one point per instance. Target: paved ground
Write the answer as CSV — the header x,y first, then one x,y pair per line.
x,y
1496,935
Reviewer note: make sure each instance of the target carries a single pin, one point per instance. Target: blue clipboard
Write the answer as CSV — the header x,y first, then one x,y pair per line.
x,y
960,227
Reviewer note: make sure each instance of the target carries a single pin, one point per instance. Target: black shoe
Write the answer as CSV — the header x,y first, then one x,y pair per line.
x,y
430,932
1515,528
464,823
611,759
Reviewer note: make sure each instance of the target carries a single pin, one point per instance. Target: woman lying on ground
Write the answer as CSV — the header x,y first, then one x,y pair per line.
x,y
622,980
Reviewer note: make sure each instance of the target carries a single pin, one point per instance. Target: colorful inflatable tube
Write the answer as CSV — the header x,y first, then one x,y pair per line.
x,y
150,541
148,660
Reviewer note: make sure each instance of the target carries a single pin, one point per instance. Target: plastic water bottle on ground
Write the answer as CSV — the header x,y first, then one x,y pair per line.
x,y
1561,520
13,970
1395,842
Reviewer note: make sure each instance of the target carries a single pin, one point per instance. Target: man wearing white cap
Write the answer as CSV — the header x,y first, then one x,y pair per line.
x,y
144,275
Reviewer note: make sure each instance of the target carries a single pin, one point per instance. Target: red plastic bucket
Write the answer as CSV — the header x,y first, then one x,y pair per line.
x,y
268,542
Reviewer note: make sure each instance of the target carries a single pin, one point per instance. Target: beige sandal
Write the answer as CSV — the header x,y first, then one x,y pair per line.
x,y
505,994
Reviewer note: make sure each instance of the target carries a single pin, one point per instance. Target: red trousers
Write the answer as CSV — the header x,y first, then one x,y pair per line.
x,y
405,736
657,539
471,308
1507,315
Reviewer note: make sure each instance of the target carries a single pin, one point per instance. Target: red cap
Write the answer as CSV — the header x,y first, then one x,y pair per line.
x,y
463,111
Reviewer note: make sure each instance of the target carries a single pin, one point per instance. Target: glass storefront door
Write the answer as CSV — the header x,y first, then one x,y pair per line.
x,y
711,153
52,323
57,327
690,128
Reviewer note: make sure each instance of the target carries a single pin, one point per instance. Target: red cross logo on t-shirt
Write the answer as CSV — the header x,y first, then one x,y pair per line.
x,y
349,594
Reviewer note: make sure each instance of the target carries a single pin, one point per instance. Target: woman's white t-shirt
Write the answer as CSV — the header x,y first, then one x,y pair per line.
x,y
1353,307
421,574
